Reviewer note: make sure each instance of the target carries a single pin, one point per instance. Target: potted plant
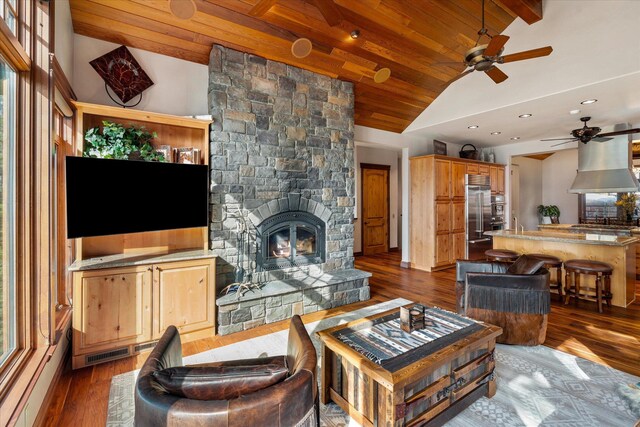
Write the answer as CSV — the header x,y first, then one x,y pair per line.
x,y
549,213
627,202
114,141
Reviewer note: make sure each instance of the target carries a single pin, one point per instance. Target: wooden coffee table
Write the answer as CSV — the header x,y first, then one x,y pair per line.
x,y
429,383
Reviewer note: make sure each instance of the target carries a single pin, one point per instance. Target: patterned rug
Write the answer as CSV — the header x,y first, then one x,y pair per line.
x,y
537,386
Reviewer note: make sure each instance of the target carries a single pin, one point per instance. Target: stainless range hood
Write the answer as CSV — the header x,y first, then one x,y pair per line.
x,y
605,167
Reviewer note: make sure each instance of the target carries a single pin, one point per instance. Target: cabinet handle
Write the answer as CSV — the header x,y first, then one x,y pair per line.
x,y
150,269
158,269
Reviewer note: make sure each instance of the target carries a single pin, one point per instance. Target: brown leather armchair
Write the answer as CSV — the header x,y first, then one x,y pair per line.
x,y
518,303
229,393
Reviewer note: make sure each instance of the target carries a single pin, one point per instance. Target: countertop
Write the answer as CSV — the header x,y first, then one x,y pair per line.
x,y
560,236
566,227
128,260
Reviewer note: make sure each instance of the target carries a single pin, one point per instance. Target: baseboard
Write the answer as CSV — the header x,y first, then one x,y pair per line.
x,y
405,264
396,249
359,253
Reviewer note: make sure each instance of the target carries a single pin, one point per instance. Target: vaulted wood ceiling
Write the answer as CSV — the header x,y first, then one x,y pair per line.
x,y
411,37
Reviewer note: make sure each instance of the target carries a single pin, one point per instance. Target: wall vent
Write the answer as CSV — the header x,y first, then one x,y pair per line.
x,y
142,347
95,358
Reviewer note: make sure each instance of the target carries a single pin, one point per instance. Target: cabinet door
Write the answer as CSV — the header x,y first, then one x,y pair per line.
x,y
443,249
483,170
457,217
472,168
113,308
500,188
458,246
443,179
458,170
443,217
183,295
493,177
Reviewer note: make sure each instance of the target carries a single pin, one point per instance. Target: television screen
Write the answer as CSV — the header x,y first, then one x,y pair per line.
x,y
107,196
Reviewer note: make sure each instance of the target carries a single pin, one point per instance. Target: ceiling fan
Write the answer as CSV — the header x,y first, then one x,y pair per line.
x,y
588,133
484,57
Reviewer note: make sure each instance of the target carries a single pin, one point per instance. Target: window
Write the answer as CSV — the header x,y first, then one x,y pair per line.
x,y
9,12
8,328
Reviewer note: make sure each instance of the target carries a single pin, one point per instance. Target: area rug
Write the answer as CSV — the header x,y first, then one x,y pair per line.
x,y
536,386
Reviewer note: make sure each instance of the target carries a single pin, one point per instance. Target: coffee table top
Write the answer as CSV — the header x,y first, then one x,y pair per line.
x,y
382,350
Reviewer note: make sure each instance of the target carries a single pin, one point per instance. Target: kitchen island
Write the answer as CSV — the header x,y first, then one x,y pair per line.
x,y
618,251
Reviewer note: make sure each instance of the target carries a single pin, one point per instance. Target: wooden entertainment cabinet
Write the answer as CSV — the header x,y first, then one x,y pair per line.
x,y
127,288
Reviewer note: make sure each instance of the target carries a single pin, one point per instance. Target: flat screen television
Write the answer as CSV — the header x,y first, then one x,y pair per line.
x,y
107,196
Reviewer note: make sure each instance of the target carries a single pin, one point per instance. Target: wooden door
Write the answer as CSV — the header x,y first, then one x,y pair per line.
x,y
183,295
375,209
458,242
457,216
458,170
443,249
500,188
113,308
443,217
442,179
493,178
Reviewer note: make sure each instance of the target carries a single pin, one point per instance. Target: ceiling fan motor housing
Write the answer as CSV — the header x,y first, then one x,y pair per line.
x,y
475,58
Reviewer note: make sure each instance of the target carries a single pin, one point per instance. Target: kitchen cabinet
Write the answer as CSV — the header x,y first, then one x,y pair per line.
x,y
120,310
437,211
500,184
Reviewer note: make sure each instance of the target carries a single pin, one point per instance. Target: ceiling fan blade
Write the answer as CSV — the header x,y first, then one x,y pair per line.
x,y
496,75
562,143
620,132
559,139
459,76
494,46
527,54
600,139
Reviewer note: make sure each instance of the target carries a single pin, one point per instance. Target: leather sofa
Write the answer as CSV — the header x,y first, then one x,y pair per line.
x,y
268,391
518,303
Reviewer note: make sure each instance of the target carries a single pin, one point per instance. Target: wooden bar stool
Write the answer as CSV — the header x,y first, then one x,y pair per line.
x,y
501,255
575,267
551,262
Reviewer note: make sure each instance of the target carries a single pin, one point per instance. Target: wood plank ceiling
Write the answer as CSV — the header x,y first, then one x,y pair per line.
x,y
411,37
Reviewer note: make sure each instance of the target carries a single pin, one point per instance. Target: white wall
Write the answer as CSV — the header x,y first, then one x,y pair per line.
x,y
63,38
180,87
530,191
558,173
378,156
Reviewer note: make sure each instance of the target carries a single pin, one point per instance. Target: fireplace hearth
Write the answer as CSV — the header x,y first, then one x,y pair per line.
x,y
290,239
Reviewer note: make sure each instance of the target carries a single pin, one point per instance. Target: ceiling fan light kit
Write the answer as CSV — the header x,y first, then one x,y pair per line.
x,y
301,48
484,57
588,133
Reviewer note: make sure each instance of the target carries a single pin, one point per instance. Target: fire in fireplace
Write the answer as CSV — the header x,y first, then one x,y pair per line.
x,y
290,239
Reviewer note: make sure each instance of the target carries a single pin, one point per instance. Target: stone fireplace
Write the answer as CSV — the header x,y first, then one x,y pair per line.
x,y
281,164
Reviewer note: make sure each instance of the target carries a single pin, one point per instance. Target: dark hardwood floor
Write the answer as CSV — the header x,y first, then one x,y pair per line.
x,y
611,338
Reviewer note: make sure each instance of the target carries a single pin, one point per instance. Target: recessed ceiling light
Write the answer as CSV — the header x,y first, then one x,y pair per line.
x,y
473,127
496,133
355,34
524,116
588,101
574,111
515,138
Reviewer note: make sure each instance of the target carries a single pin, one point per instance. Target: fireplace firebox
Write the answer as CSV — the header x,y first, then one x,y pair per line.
x,y
290,239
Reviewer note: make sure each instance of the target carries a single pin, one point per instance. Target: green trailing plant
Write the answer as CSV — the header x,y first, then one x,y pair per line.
x,y
549,210
115,141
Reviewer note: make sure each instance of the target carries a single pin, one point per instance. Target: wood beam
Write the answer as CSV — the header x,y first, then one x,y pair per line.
x,y
529,10
329,11
261,7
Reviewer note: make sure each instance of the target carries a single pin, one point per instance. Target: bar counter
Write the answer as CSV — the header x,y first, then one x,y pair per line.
x,y
618,251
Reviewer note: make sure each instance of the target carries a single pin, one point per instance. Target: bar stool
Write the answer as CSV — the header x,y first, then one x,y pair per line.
x,y
551,262
501,255
575,267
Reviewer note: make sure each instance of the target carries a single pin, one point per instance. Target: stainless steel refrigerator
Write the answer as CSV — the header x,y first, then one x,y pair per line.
x,y
478,215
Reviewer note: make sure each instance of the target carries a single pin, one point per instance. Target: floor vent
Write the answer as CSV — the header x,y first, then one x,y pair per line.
x,y
94,358
146,346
